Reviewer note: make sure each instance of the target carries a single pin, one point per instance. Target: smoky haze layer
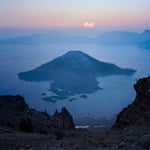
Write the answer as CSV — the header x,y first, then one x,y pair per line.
x,y
141,40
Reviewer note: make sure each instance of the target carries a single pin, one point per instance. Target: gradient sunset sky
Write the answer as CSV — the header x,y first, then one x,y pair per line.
x,y
99,14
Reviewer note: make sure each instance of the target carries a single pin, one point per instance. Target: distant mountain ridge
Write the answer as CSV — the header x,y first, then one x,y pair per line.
x,y
124,38
118,37
74,72
52,37
145,40
145,45
107,38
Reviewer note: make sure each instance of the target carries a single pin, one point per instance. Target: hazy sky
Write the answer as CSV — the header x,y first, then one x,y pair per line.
x,y
102,14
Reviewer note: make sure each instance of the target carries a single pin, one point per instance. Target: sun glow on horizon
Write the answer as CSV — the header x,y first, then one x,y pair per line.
x,y
89,25
96,14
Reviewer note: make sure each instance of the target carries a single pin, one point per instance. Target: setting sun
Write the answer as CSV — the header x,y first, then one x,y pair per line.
x,y
89,25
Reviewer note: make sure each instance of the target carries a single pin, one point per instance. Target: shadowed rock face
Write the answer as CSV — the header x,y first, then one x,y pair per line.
x,y
74,73
15,113
137,113
66,117
136,116
12,110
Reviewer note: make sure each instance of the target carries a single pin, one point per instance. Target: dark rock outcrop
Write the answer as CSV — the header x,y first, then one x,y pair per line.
x,y
12,110
66,118
137,114
15,113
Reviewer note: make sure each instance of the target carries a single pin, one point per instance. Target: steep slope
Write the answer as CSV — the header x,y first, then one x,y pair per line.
x,y
137,114
131,130
15,113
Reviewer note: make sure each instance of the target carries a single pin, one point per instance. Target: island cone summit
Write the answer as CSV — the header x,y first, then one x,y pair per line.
x,y
74,73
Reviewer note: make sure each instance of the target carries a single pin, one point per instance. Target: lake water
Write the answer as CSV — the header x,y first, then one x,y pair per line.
x,y
117,90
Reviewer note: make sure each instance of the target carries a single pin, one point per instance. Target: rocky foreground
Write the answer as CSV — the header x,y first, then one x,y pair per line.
x,y
22,128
